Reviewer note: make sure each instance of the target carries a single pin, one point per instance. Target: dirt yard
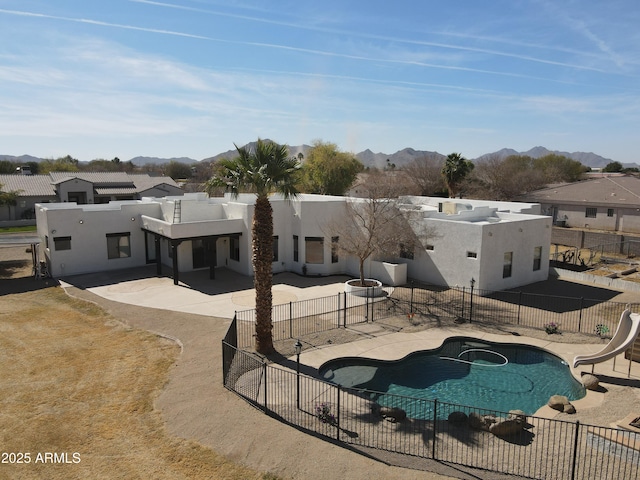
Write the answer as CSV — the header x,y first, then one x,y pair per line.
x,y
78,391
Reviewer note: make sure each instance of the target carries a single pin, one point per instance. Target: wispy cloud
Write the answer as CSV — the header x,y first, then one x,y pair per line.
x,y
102,24
439,45
326,53
576,24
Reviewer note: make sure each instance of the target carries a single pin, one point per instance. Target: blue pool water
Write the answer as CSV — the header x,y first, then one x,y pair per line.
x,y
464,371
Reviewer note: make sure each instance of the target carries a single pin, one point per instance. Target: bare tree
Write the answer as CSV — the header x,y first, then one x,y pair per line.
x,y
375,225
425,173
505,178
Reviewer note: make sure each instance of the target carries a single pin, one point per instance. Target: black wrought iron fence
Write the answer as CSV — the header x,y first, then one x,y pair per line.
x,y
458,434
296,319
571,314
434,304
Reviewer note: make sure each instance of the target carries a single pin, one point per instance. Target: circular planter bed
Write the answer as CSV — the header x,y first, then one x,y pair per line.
x,y
372,288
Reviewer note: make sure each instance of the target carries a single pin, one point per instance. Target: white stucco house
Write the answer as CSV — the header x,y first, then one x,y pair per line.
x,y
498,244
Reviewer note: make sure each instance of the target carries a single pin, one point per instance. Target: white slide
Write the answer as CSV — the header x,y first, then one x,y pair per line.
x,y
626,333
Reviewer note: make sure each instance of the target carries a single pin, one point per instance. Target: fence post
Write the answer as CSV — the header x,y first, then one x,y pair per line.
x,y
345,309
338,416
519,304
435,429
463,292
372,304
264,376
580,316
411,303
575,450
290,319
366,305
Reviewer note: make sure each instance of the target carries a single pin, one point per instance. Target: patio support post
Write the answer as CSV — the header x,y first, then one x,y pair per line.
x,y
174,250
156,241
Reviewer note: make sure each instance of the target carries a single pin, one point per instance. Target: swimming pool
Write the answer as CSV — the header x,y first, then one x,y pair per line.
x,y
463,371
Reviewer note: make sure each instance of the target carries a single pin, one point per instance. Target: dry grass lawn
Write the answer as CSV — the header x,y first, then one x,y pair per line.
x,y
75,380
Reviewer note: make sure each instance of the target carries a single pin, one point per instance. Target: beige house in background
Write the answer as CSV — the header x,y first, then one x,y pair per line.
x,y
81,188
608,203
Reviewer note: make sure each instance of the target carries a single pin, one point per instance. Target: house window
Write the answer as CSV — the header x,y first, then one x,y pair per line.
x,y
429,247
508,262
62,243
46,241
314,249
406,252
334,249
472,255
275,248
609,212
296,248
234,248
537,258
592,212
118,245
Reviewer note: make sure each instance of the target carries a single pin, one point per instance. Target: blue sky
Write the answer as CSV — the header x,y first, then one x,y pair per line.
x,y
100,79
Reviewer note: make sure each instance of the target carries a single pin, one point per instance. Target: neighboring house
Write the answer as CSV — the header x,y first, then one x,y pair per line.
x,y
609,203
81,188
500,245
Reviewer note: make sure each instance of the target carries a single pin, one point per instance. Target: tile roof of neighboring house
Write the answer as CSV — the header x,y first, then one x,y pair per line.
x,y
93,177
105,183
145,182
28,185
606,191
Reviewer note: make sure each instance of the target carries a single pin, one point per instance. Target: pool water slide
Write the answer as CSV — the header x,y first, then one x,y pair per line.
x,y
624,337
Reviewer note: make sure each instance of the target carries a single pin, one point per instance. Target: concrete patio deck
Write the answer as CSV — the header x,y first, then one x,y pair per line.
x,y
230,292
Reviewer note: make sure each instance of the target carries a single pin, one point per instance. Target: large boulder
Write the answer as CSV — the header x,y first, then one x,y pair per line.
x,y
481,422
506,428
590,382
519,416
561,404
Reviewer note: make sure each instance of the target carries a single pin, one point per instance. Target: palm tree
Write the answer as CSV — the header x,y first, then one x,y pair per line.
x,y
264,169
454,170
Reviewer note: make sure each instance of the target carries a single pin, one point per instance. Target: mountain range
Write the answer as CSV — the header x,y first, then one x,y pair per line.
x,y
371,159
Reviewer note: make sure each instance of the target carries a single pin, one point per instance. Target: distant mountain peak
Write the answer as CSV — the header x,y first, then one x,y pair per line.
x,y
588,159
368,157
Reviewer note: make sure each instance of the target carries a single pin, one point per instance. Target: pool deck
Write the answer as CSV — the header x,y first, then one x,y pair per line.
x,y
395,346
231,292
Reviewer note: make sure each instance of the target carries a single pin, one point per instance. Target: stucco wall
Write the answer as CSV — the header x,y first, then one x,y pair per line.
x,y
88,229
567,236
449,263
629,220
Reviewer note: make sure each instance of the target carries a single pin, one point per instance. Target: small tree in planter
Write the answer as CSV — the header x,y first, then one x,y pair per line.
x,y
374,225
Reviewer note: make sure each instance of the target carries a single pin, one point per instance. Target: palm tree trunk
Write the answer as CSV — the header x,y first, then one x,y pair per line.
x,y
262,230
